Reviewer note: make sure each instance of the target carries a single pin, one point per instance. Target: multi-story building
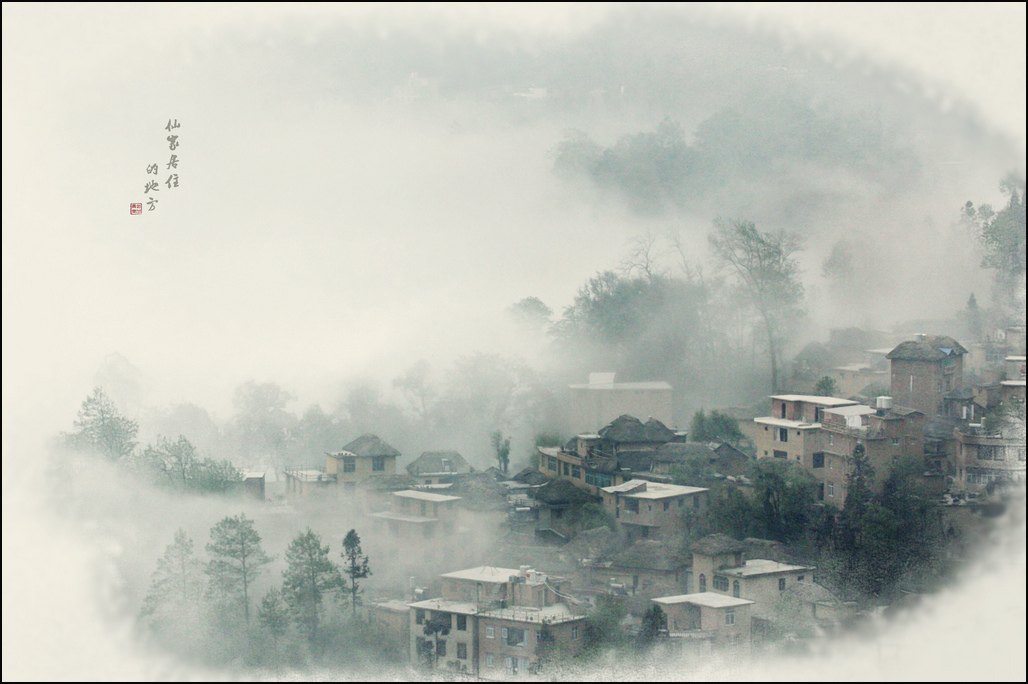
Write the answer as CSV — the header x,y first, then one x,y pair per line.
x,y
360,459
494,622
363,458
422,529
923,370
711,616
887,433
793,430
620,451
595,404
985,455
647,510
718,565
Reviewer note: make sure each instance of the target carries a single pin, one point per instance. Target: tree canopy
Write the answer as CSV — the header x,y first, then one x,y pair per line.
x,y
101,428
237,559
309,576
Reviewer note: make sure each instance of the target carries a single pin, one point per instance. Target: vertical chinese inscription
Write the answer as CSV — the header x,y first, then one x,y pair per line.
x,y
152,186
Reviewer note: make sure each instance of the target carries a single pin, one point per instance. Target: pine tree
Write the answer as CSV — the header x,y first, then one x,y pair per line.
x,y
176,584
237,560
356,567
310,575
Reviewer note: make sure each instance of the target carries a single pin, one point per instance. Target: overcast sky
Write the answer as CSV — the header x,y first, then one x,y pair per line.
x,y
238,276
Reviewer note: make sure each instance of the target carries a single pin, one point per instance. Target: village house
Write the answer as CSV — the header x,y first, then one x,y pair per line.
x,y
362,458
793,430
438,467
492,620
601,400
421,528
647,510
886,433
620,451
719,458
985,456
718,565
715,618
923,370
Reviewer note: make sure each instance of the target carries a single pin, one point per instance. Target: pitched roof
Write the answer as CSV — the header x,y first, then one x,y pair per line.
x,y
367,446
627,428
931,348
433,462
531,476
676,452
562,492
717,544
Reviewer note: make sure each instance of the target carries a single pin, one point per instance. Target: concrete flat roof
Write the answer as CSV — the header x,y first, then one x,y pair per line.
x,y
403,517
710,599
556,613
814,399
653,490
762,566
854,410
445,606
782,422
483,573
425,496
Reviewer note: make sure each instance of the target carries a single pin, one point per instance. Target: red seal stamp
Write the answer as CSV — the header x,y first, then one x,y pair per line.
x,y
136,208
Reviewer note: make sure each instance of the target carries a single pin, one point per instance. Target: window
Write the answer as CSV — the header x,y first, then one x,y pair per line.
x,y
440,648
419,616
800,578
667,505
490,659
551,463
895,441
783,435
447,468
567,469
632,505
781,584
703,583
349,464
462,623
490,632
576,473
729,617
781,454
831,439
574,633
736,589
514,636
819,460
831,489
503,633
462,651
720,583
378,463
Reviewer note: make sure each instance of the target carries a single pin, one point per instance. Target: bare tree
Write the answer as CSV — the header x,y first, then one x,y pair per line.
x,y
768,274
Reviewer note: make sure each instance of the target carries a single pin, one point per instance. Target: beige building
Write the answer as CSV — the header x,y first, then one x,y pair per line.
x,y
793,430
718,565
647,510
984,457
492,621
601,400
360,459
422,528
720,619
363,458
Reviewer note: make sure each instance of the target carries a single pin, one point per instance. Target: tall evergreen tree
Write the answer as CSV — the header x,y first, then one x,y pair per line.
x,y
356,567
101,428
237,559
310,575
